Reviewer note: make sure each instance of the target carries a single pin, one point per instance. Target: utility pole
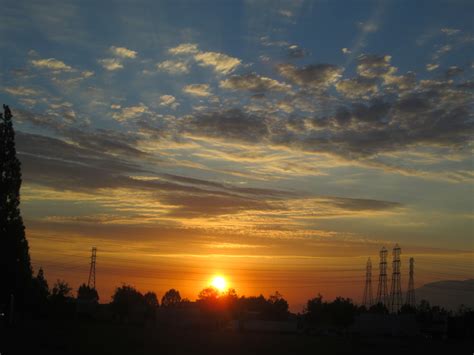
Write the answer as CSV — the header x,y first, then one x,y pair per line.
x,y
396,289
91,282
410,301
382,292
368,301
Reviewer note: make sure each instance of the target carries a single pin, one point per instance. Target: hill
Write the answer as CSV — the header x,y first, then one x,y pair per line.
x,y
449,294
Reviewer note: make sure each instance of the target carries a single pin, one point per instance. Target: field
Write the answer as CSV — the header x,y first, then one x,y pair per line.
x,y
103,338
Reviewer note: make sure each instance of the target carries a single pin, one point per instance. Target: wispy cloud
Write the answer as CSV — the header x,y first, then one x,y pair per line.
x,y
173,67
52,64
123,52
221,63
130,112
184,48
111,64
201,90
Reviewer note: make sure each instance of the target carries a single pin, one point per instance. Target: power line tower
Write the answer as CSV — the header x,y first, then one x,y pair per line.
x,y
396,289
411,285
91,282
382,292
368,301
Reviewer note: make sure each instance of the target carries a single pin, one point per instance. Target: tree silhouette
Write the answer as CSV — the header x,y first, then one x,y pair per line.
x,y
278,309
129,303
378,308
61,290
171,298
151,300
39,295
209,294
339,313
15,266
87,293
41,285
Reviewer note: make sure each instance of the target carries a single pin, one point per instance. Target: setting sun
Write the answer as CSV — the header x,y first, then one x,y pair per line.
x,y
219,282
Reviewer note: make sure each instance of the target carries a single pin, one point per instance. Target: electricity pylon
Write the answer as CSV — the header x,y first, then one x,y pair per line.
x,y
368,301
382,292
411,285
91,282
396,289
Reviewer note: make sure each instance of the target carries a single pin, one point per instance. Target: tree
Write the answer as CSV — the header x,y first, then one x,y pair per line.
x,y
61,290
41,285
378,308
209,294
87,293
38,298
151,305
128,302
171,298
15,266
279,306
338,313
151,300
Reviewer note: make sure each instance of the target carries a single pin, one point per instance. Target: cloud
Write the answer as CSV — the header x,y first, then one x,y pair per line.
x,y
123,52
169,100
201,90
189,205
131,112
109,181
221,63
442,51
173,67
453,71
295,51
184,48
253,82
52,64
395,116
87,74
357,87
316,77
374,66
21,91
265,41
432,66
450,31
285,13
368,27
111,64
232,124
116,63
357,204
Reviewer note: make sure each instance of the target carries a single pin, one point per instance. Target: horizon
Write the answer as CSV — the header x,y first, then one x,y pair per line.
x,y
277,146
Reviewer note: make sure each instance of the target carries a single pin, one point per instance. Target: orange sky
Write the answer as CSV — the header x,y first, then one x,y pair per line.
x,y
297,277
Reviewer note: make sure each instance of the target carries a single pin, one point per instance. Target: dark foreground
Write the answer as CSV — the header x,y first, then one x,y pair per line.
x,y
70,337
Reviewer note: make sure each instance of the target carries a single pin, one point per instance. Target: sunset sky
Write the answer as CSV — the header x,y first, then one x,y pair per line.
x,y
278,144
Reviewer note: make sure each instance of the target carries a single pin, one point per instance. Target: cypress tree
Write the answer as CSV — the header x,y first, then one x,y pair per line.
x,y
15,266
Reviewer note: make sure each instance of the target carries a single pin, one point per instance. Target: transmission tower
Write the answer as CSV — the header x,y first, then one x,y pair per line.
x,y
91,282
382,293
396,289
368,301
411,285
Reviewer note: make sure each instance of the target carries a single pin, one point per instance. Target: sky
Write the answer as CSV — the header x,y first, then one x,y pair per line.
x,y
276,143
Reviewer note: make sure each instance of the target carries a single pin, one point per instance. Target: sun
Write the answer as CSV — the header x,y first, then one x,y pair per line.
x,y
219,282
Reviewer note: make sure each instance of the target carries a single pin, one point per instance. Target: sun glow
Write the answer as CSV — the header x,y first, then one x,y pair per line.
x,y
219,282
